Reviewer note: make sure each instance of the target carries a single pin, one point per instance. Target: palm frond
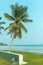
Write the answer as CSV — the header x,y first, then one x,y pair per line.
x,y
17,10
14,36
19,35
7,16
11,26
9,32
23,10
6,28
12,7
27,20
1,27
23,27
2,23
23,16
14,10
0,18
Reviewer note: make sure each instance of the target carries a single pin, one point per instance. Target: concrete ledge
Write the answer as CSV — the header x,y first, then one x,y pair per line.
x,y
13,57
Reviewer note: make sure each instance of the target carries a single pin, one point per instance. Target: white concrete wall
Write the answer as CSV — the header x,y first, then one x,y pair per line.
x,y
20,59
20,56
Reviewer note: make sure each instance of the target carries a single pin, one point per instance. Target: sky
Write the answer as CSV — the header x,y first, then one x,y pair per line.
x,y
35,29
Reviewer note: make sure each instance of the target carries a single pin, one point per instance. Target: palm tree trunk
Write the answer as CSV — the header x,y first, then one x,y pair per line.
x,y
10,45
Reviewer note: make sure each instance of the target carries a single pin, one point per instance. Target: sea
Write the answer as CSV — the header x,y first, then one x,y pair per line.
x,y
24,48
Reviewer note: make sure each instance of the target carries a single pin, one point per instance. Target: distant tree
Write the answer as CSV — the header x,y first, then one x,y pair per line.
x,y
19,15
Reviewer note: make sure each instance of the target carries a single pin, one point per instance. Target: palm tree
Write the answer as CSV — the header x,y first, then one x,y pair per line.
x,y
1,27
19,15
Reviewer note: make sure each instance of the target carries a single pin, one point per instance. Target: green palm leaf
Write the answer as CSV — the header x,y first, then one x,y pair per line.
x,y
27,20
19,35
1,27
2,23
6,28
7,16
12,7
9,32
23,16
11,26
23,27
0,18
14,36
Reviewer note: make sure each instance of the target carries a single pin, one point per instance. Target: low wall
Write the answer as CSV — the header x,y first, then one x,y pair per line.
x,y
10,56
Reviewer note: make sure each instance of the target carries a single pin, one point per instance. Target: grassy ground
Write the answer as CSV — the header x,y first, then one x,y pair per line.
x,y
4,61
31,58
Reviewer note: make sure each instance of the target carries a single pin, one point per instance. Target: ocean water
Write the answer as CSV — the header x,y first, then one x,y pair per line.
x,y
29,48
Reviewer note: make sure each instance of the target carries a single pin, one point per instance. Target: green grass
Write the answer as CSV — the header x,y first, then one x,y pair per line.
x,y
4,61
31,58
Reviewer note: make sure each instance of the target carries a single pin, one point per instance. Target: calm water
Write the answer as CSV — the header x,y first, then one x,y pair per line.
x,y
35,49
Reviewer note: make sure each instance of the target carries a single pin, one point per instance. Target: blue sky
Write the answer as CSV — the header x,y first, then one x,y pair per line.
x,y
35,29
